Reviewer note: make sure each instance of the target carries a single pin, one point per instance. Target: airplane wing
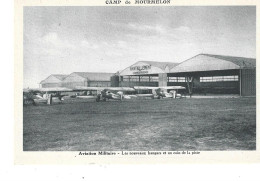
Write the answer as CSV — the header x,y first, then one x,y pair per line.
x,y
31,90
82,88
87,97
144,88
55,89
173,87
152,88
120,88
51,89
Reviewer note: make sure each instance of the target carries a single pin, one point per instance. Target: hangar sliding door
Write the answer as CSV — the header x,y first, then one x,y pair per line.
x,y
248,82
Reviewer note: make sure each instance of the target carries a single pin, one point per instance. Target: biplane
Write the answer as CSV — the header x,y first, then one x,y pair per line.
x,y
105,93
44,95
161,92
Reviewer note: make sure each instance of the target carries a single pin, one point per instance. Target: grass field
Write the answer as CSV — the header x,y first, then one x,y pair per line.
x,y
167,124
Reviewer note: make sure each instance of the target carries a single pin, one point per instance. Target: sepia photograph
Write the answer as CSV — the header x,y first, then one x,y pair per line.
x,y
144,78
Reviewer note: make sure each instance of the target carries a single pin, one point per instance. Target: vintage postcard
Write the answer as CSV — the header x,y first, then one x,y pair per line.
x,y
136,81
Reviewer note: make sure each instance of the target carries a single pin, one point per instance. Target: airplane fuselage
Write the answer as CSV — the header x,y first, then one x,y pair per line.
x,y
163,93
105,94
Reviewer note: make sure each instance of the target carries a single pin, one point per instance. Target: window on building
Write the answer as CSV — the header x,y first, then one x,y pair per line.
x,y
219,78
206,79
144,78
154,79
230,78
172,79
181,79
176,79
134,78
125,78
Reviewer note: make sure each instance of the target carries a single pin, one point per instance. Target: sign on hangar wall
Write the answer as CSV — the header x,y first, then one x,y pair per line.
x,y
141,68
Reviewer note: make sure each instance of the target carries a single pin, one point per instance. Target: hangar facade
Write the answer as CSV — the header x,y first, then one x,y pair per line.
x,y
204,73
88,79
54,80
145,73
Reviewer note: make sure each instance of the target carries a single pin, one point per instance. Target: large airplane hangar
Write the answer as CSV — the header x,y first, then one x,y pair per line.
x,y
201,74
217,74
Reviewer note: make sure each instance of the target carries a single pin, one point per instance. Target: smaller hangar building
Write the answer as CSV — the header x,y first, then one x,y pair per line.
x,y
54,80
88,79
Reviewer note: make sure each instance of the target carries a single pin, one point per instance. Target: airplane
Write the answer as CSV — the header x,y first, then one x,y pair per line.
x,y
47,95
116,93
106,93
44,95
161,92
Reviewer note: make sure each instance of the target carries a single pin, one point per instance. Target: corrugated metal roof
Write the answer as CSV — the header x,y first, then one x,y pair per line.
x,y
209,62
240,61
161,65
95,76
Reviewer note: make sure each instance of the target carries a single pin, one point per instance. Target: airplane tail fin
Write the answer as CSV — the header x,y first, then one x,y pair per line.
x,y
173,93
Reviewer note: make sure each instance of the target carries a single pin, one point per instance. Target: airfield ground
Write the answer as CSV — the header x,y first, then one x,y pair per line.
x,y
167,124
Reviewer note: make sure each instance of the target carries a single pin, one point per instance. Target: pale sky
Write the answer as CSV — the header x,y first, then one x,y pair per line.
x,y
62,40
